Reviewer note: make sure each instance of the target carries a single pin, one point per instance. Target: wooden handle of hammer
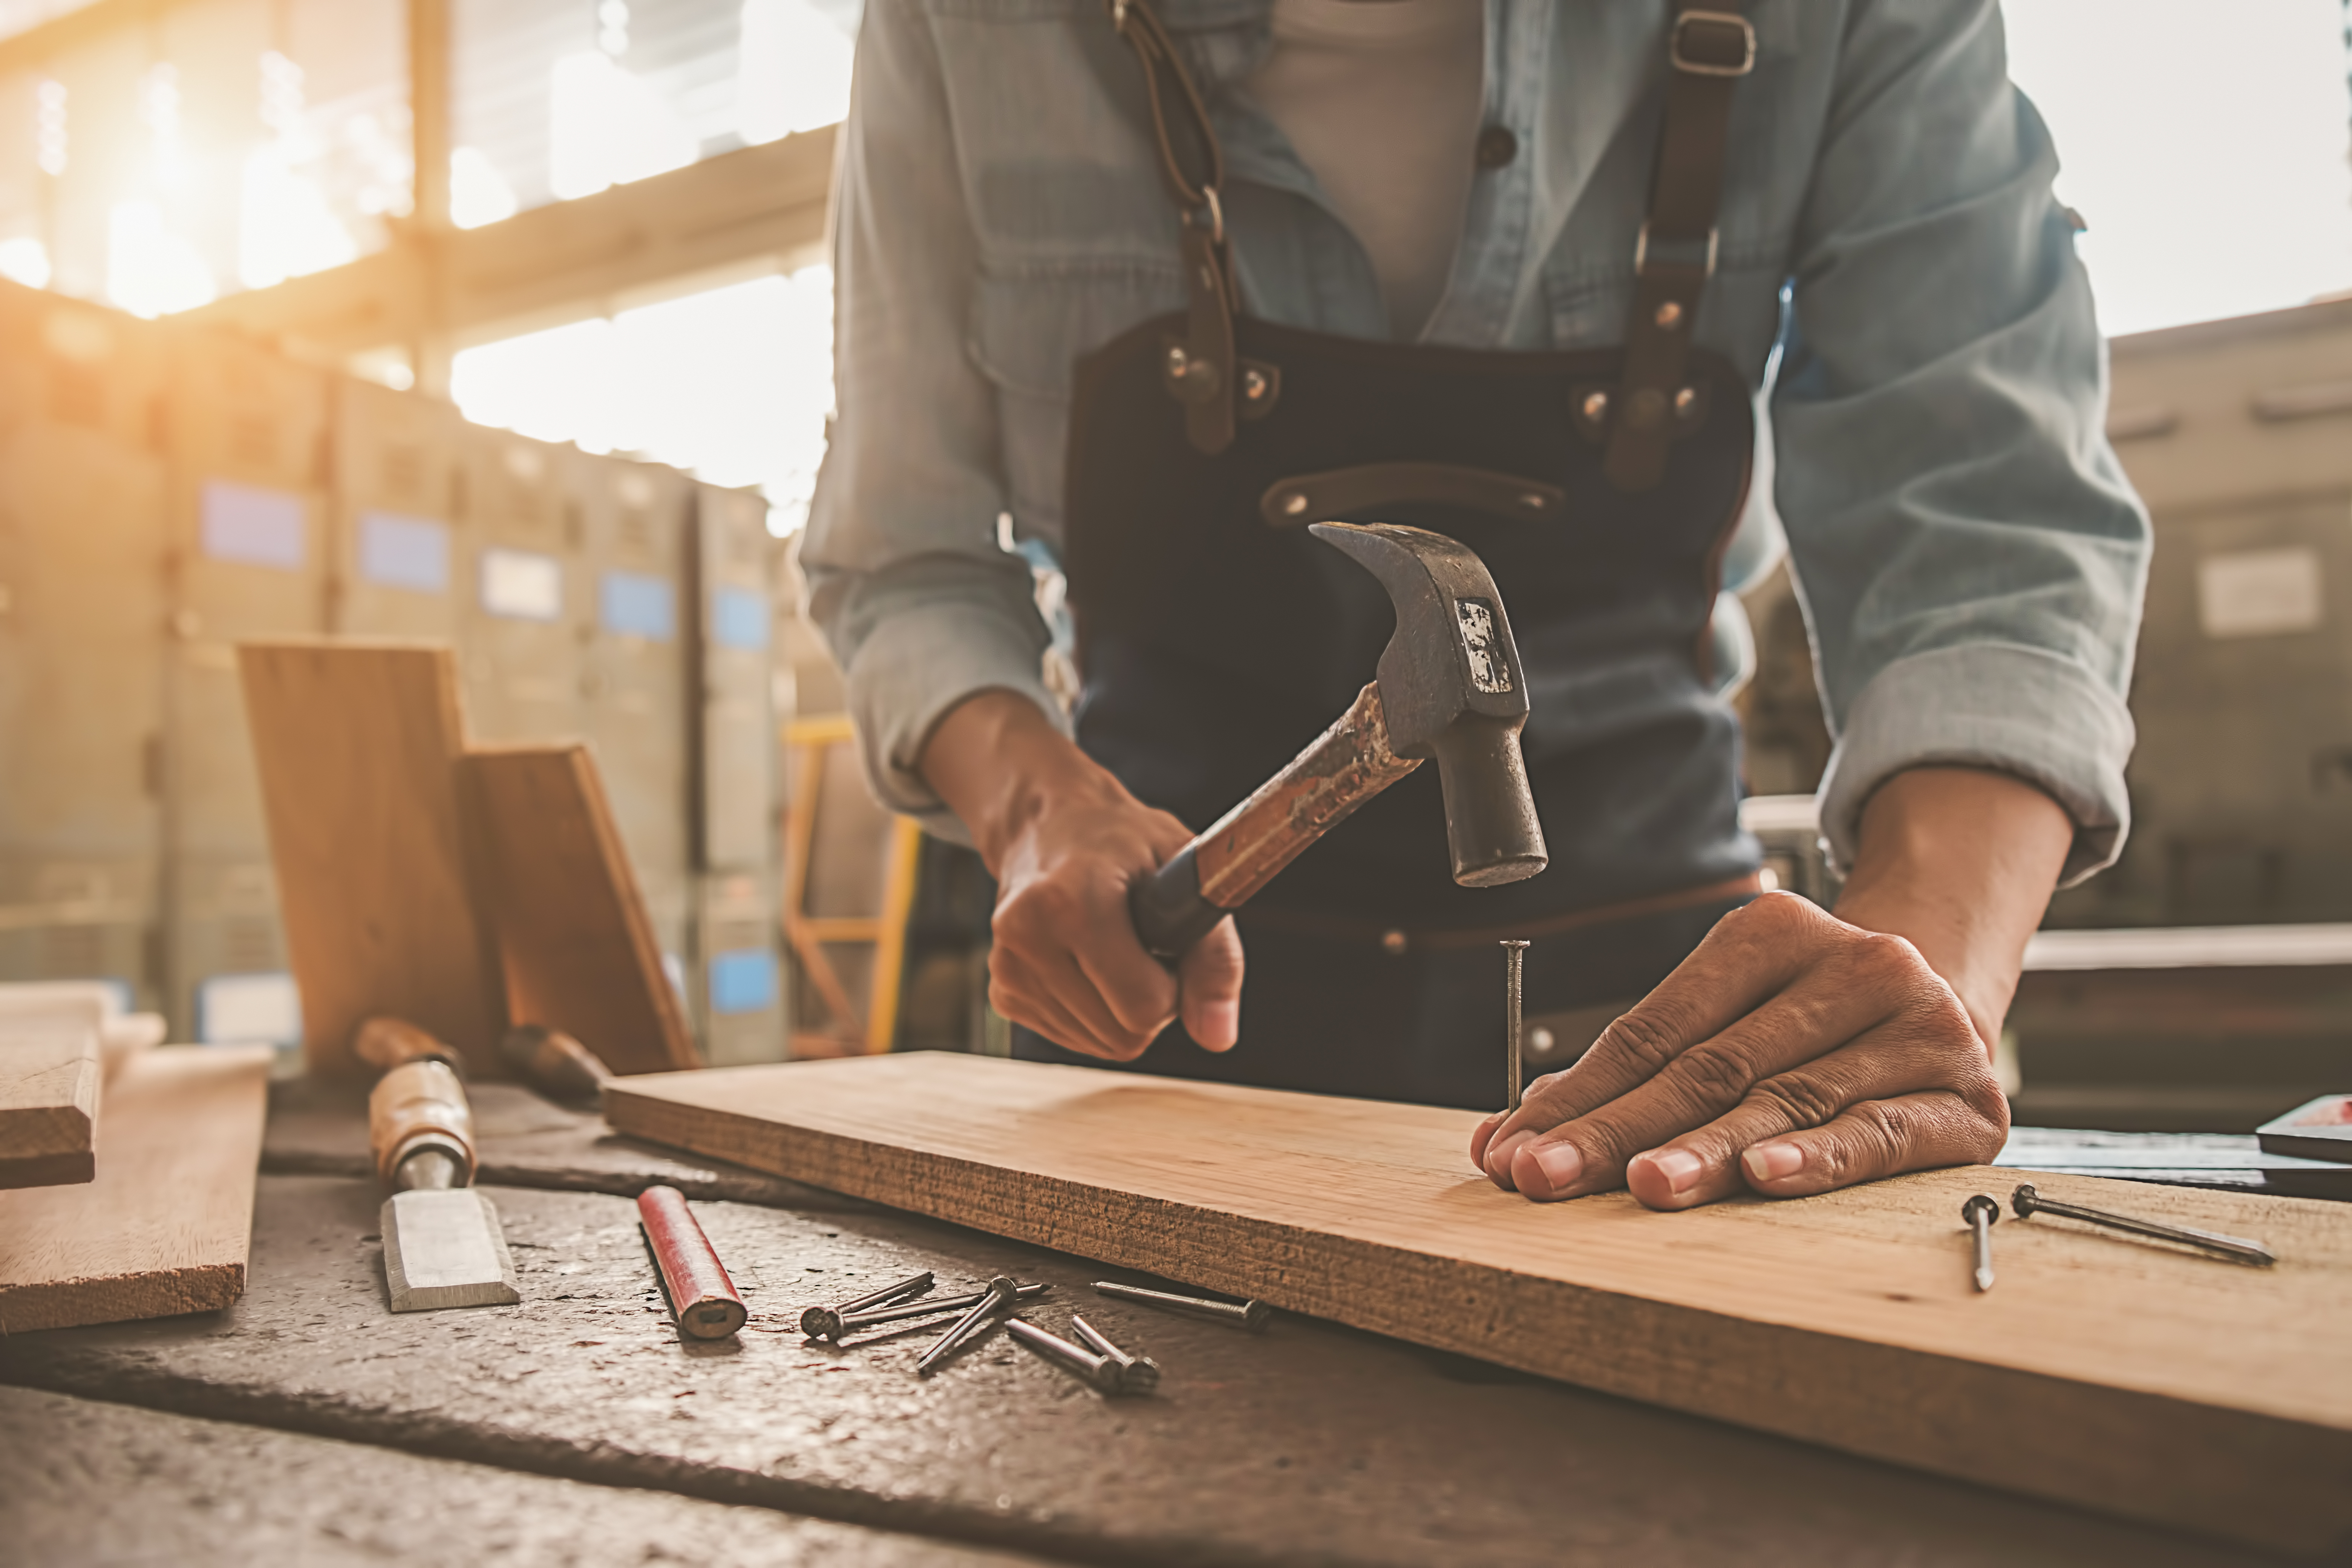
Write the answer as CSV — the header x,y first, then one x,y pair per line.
x,y
1216,873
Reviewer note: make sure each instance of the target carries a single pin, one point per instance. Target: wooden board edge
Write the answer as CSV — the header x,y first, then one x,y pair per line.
x,y
79,1303
2255,1477
64,1170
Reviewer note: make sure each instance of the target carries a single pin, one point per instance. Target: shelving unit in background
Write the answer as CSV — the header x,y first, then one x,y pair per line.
x,y
849,886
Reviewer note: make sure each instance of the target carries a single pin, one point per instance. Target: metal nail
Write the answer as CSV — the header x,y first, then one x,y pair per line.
x,y
1137,1373
1249,1315
2235,1249
1515,956
1980,1212
929,1308
1099,1371
1001,1292
824,1322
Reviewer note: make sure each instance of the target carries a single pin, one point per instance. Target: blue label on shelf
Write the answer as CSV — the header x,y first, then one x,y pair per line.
x,y
252,526
739,618
744,980
404,552
522,585
638,605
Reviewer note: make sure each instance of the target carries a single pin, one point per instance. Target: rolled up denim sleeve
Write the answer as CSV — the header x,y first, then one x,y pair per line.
x,y
905,579
1970,556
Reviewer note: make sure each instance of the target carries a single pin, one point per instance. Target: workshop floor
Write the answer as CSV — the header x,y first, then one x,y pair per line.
x,y
308,1424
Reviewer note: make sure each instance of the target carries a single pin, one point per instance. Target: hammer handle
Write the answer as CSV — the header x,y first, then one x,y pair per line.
x,y
1216,873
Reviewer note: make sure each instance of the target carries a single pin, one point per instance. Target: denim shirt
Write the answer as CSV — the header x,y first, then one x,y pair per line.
x,y
1893,277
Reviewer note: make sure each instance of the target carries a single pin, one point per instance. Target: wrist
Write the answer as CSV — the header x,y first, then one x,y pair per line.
x,y
1961,863
1001,764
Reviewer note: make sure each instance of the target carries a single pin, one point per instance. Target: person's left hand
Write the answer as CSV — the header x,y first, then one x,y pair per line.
x,y
1791,1053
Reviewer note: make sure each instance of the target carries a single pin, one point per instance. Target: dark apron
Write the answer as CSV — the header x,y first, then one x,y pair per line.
x,y
1216,637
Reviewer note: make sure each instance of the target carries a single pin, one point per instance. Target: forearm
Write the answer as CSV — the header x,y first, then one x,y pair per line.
x,y
1960,862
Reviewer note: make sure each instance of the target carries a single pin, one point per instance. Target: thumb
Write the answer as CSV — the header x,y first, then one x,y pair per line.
x,y
1210,980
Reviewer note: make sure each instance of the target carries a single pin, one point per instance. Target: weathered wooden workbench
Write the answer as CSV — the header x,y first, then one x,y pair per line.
x,y
309,1424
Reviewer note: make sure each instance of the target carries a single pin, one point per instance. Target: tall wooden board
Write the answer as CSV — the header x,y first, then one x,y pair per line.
x,y
164,1228
580,954
359,748
2129,1378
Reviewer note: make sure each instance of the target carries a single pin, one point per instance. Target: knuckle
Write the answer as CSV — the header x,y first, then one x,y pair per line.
x,y
1644,1038
1715,1074
1801,1098
1889,1127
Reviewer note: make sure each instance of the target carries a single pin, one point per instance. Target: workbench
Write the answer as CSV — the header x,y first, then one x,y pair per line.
x,y
307,1424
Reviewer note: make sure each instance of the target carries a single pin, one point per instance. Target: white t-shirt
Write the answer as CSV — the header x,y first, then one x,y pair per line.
x,y
1381,99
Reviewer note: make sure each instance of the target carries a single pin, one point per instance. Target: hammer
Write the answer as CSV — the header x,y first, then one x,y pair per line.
x,y
1449,687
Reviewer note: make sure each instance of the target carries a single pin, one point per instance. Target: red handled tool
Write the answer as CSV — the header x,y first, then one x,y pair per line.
x,y
701,1294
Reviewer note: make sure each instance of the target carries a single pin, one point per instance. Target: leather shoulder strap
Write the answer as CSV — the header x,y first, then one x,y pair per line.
x,y
1200,372
1709,46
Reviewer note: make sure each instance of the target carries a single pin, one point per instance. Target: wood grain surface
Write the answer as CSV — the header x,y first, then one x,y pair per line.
x,y
2121,1376
358,745
49,1082
580,955
164,1227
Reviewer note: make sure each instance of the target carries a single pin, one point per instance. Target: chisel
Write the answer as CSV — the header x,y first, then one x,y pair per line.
x,y
442,1242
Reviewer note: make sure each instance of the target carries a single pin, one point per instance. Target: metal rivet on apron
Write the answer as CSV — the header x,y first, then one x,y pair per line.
x,y
1295,504
1496,147
1394,943
1686,400
1532,502
1596,406
1254,384
1670,315
1179,362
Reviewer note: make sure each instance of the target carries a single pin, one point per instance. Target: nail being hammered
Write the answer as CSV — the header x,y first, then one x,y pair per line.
x,y
1514,966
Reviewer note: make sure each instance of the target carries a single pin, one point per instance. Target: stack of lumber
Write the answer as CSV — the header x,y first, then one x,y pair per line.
x,y
2138,1379
130,1169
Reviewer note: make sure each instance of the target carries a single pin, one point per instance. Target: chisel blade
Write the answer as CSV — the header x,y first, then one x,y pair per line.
x,y
446,1249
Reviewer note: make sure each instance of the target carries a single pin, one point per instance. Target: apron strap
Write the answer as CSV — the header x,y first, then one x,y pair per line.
x,y
1709,46
1200,372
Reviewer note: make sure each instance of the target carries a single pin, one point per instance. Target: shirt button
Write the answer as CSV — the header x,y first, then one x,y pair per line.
x,y
1496,146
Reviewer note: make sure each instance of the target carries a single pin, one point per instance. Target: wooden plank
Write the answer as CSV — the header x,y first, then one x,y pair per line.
x,y
164,1227
49,1082
580,955
2100,1371
359,746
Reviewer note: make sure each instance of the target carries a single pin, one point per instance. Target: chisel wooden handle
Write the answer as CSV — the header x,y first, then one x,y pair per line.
x,y
1216,873
700,1293
420,1105
385,1043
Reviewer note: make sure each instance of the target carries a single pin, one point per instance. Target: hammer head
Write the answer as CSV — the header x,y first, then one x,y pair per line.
x,y
1452,688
